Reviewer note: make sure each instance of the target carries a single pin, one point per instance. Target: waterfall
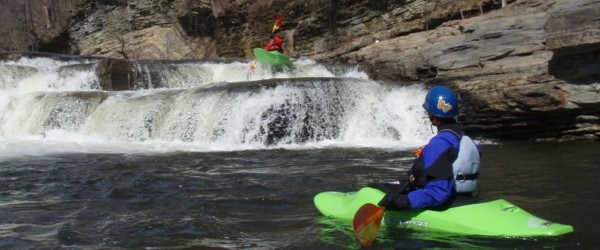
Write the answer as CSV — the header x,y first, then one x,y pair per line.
x,y
57,106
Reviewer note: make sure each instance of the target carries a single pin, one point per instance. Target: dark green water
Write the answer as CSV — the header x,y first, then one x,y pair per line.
x,y
263,199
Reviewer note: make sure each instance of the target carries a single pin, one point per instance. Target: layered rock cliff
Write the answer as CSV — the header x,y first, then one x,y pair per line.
x,y
527,70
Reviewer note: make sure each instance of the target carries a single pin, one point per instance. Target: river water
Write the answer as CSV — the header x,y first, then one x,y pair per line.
x,y
217,160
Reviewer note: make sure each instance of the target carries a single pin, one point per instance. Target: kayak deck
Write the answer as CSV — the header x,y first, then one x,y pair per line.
x,y
272,58
489,218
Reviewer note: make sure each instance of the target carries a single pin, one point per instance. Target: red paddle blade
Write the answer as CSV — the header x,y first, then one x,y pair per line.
x,y
367,222
278,22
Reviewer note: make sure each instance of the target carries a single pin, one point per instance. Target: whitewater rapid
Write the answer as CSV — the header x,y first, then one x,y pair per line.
x,y
52,106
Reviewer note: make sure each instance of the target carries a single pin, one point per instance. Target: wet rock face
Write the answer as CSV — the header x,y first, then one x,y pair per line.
x,y
574,38
526,71
114,74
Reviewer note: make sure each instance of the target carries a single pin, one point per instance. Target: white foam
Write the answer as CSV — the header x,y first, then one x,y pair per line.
x,y
45,74
50,112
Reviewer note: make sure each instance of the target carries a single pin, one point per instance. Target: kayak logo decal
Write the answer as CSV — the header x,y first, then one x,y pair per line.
x,y
536,222
393,221
509,209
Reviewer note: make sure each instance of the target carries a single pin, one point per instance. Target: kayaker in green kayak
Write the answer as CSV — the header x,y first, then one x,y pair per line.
x,y
446,167
272,54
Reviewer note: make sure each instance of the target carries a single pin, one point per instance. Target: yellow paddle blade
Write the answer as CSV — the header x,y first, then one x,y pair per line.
x,y
367,222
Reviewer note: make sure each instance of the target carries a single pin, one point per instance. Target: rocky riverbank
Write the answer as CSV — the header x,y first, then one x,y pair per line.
x,y
527,70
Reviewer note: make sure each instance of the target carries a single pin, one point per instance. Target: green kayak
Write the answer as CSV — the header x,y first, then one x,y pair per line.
x,y
489,218
272,58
